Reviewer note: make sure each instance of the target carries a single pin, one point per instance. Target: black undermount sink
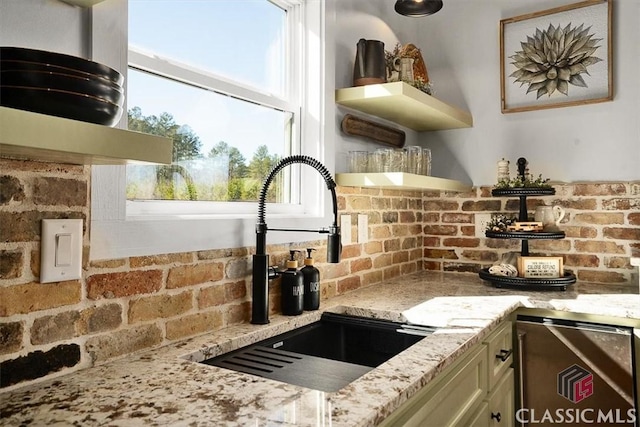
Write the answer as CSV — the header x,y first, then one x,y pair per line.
x,y
325,355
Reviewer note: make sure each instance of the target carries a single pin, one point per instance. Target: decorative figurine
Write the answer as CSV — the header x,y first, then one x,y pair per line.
x,y
503,170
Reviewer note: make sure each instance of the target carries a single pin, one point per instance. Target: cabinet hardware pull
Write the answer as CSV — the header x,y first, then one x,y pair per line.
x,y
496,416
504,354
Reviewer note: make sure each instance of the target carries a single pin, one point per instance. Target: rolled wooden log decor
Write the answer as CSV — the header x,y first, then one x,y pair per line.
x,y
352,125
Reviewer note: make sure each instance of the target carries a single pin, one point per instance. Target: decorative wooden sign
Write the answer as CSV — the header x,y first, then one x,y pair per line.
x,y
540,267
525,226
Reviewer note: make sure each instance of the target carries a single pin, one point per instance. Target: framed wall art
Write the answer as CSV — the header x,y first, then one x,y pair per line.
x,y
558,57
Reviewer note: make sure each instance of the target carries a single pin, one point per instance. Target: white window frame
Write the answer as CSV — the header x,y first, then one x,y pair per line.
x,y
117,233
289,101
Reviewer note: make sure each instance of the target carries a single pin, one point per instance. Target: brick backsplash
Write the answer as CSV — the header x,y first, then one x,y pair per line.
x,y
602,227
121,306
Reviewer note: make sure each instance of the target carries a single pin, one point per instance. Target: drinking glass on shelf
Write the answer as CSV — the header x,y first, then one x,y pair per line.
x,y
426,162
383,159
397,160
373,162
358,161
414,160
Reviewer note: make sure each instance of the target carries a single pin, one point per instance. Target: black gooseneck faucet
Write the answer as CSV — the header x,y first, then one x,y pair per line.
x,y
261,270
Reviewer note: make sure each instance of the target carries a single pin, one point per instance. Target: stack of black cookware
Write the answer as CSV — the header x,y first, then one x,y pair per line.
x,y
60,85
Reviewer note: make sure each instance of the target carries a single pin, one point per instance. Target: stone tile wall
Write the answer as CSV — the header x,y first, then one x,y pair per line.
x,y
124,305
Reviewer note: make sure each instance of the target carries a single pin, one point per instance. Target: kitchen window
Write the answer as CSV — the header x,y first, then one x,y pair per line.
x,y
281,109
221,78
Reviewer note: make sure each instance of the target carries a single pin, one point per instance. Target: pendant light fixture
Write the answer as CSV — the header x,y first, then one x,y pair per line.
x,y
417,8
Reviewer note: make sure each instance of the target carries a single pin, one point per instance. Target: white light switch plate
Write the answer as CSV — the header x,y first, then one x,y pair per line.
x,y
363,228
60,250
345,229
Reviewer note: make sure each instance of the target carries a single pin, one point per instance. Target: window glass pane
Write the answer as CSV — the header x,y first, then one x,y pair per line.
x,y
223,147
243,40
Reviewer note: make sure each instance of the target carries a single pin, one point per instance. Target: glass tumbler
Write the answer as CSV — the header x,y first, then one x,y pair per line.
x,y
397,160
426,161
383,159
373,162
358,161
414,159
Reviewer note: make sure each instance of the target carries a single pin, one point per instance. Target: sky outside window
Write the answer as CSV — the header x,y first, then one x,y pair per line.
x,y
237,39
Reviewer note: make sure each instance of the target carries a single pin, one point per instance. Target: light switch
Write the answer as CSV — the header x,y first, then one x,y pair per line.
x,y
63,250
345,229
363,228
60,250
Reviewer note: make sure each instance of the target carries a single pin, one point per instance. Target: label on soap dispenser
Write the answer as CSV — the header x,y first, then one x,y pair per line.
x,y
292,293
314,287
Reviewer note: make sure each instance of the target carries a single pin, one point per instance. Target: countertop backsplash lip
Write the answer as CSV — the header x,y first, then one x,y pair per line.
x,y
165,386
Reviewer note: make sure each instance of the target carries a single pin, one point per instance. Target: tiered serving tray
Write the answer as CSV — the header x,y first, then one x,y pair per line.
x,y
559,283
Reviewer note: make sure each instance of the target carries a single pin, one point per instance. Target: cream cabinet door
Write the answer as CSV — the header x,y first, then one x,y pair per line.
x,y
500,347
502,402
475,391
480,418
498,409
449,399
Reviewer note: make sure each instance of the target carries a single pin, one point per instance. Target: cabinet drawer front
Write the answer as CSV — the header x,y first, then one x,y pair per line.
x,y
448,399
500,352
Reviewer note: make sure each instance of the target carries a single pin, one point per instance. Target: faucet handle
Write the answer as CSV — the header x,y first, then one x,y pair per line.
x,y
273,272
334,245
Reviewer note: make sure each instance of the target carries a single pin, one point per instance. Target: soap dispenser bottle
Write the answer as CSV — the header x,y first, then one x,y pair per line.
x,y
311,283
292,287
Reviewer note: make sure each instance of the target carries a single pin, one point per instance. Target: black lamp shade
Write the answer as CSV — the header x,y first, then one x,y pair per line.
x,y
416,8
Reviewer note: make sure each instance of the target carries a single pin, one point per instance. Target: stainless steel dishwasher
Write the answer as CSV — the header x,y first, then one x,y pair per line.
x,y
575,373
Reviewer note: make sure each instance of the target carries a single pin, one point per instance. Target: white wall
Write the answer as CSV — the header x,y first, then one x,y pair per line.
x,y
460,44
46,25
368,19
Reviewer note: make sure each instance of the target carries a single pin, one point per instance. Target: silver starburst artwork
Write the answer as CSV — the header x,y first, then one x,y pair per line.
x,y
552,59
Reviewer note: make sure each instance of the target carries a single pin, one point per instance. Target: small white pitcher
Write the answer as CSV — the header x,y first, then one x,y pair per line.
x,y
549,216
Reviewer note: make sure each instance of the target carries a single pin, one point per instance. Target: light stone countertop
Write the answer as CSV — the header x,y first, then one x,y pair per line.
x,y
165,386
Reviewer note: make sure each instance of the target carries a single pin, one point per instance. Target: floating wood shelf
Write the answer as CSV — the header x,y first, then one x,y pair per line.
x,y
40,137
402,103
400,181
